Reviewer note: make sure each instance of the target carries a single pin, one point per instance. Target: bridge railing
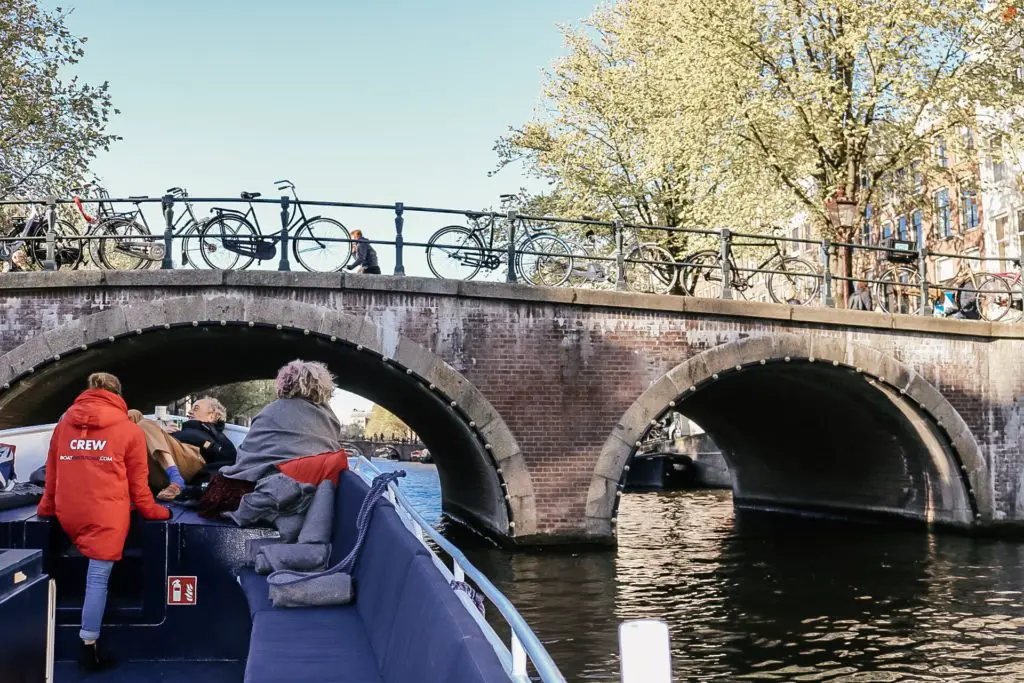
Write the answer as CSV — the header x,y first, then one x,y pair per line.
x,y
897,276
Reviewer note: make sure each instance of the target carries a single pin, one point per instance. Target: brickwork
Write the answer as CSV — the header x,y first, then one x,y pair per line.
x,y
562,369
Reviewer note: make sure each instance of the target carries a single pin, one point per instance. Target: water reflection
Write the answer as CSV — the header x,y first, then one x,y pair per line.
x,y
760,597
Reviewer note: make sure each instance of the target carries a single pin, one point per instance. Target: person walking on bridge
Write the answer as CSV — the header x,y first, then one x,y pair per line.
x,y
96,470
366,256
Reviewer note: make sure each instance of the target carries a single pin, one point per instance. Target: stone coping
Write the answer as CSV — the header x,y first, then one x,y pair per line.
x,y
11,283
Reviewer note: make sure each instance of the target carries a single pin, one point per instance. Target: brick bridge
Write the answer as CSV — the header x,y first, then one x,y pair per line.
x,y
532,399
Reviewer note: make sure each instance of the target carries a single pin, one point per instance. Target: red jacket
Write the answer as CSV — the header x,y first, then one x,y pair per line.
x,y
96,468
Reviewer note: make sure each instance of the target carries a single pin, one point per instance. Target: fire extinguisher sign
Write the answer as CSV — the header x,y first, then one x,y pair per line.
x,y
182,590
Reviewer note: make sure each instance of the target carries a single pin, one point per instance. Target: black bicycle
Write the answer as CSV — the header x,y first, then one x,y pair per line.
x,y
790,279
233,239
118,240
28,250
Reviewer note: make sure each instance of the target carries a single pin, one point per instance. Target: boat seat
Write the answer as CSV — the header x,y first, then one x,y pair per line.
x,y
406,624
326,645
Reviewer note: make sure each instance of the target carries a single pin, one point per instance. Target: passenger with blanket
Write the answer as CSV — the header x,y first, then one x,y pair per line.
x,y
96,471
193,453
297,435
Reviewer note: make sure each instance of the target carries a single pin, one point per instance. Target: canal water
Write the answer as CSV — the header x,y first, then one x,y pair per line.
x,y
767,598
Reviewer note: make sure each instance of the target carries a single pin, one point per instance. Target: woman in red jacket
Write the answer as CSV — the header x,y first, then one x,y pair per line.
x,y
95,470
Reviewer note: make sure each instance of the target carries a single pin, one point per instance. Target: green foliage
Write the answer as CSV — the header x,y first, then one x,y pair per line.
x,y
383,422
745,113
51,126
243,400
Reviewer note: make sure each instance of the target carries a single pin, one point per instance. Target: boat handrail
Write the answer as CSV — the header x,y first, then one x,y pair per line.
x,y
524,642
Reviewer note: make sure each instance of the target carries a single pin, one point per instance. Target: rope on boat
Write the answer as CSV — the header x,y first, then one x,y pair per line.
x,y
473,594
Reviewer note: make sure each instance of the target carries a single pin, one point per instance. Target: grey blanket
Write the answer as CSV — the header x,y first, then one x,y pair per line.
x,y
320,516
313,549
293,589
302,557
277,500
287,428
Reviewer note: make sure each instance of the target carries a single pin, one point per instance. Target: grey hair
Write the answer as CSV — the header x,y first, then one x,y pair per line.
x,y
305,379
217,407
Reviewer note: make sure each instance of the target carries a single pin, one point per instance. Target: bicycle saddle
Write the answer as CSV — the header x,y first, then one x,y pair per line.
x,y
139,196
250,195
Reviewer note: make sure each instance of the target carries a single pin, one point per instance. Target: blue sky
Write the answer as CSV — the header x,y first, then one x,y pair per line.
x,y
353,100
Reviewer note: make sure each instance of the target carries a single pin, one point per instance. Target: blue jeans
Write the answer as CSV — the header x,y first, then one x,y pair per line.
x,y
95,598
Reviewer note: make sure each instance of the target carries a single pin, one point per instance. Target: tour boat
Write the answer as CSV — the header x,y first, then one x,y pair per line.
x,y
184,606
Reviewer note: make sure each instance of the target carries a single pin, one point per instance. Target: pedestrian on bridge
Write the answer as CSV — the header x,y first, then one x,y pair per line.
x,y
366,256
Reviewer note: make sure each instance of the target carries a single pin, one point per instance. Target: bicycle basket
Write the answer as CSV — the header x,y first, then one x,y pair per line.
x,y
259,248
899,251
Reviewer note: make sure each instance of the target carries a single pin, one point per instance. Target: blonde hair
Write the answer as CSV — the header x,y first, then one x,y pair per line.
x,y
305,379
104,380
217,407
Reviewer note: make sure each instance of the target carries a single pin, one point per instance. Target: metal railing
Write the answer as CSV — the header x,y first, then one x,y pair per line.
x,y
631,247
524,645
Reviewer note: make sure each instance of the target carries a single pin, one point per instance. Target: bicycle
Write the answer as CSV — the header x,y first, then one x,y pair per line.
x,y
319,244
898,290
542,257
792,280
116,239
28,250
643,269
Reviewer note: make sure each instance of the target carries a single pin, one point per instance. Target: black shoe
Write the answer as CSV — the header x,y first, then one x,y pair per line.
x,y
90,659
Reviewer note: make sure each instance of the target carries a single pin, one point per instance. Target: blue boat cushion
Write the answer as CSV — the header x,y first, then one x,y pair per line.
x,y
257,594
327,645
434,639
351,492
381,571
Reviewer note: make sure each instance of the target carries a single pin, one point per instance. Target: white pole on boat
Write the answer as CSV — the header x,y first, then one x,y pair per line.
x,y
644,651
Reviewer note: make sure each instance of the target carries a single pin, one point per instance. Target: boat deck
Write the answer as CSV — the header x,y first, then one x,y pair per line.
x,y
155,672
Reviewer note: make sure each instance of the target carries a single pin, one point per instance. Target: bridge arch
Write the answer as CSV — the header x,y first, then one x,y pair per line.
x,y
165,349
812,422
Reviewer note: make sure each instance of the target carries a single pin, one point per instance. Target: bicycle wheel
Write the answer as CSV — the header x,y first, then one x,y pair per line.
x,y
995,297
898,290
544,260
795,282
228,242
190,247
68,246
701,274
319,256
651,269
455,253
125,245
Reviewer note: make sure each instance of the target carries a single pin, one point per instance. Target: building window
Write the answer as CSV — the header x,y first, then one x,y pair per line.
x,y
998,170
945,269
915,221
865,237
942,221
886,230
915,168
941,155
1002,223
969,199
901,228
1020,231
968,139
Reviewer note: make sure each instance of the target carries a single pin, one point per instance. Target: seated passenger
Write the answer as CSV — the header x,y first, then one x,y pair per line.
x,y
96,471
178,457
297,435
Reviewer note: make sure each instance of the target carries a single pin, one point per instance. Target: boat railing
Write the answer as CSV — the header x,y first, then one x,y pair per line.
x,y
524,644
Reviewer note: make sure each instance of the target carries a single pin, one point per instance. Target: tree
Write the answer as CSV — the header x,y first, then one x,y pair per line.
x,y
243,400
383,422
51,127
811,95
612,145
